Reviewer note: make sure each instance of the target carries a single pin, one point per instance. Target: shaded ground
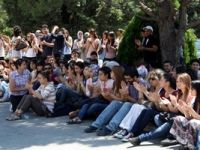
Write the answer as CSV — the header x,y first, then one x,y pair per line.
x,y
39,133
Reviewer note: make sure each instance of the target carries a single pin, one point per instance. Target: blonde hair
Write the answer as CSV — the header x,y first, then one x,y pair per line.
x,y
157,73
186,80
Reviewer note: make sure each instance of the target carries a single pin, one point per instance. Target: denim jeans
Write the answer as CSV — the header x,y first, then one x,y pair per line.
x,y
161,131
119,116
65,98
107,114
198,141
92,107
70,97
145,117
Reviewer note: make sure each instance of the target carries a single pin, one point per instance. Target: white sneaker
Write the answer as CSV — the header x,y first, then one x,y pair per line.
x,y
120,134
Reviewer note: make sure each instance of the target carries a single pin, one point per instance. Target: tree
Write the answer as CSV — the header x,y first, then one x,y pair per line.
x,y
171,17
127,52
73,14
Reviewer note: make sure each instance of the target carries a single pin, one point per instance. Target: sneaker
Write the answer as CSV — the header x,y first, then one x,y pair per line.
x,y
135,141
90,129
104,132
120,134
127,137
169,142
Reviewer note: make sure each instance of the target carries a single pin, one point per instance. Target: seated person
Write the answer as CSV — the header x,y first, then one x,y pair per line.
x,y
41,100
4,91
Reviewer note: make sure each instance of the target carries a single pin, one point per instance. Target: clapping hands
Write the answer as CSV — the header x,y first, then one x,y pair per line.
x,y
124,90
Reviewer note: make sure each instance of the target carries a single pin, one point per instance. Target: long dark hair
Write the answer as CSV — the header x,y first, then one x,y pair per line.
x,y
119,75
112,35
196,86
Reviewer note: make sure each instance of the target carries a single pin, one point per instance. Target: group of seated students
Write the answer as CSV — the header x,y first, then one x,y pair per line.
x,y
120,100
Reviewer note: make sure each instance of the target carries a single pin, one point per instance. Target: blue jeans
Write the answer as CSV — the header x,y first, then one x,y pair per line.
x,y
119,116
65,101
92,107
161,131
145,117
107,114
198,141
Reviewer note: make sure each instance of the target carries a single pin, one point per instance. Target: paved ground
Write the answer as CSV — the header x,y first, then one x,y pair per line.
x,y
38,133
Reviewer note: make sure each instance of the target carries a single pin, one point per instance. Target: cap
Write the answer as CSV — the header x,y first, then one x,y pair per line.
x,y
148,28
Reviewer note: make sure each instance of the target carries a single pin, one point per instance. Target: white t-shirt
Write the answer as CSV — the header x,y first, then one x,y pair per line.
x,y
30,53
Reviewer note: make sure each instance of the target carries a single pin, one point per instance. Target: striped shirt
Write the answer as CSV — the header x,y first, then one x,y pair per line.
x,y
48,94
20,81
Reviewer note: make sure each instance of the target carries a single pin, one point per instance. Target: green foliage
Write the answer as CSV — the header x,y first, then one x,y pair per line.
x,y
190,50
7,31
176,4
3,17
127,52
72,14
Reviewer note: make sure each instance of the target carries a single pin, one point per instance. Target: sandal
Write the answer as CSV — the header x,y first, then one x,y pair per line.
x,y
73,114
13,117
74,121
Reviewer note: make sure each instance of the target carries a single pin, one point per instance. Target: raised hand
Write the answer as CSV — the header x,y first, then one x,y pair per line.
x,y
138,42
173,99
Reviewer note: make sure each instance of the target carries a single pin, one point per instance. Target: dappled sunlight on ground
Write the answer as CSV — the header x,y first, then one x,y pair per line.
x,y
39,133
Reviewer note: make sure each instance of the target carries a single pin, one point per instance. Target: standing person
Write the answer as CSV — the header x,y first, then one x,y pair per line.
x,y
41,100
148,47
92,44
68,45
17,36
17,83
46,42
111,48
104,42
79,44
58,36
33,46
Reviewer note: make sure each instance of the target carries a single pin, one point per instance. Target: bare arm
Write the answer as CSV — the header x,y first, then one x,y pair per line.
x,y
69,42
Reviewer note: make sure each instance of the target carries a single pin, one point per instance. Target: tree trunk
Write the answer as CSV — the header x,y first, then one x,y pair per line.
x,y
168,38
168,45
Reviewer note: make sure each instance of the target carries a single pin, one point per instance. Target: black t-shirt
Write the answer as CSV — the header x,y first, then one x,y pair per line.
x,y
150,57
58,44
47,51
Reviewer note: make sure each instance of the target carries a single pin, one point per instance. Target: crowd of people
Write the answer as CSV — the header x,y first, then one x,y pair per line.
x,y
50,74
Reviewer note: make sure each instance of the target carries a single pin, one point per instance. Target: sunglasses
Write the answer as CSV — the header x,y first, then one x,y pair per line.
x,y
152,79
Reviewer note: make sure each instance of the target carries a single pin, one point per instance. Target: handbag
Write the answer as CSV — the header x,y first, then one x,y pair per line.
x,y
21,44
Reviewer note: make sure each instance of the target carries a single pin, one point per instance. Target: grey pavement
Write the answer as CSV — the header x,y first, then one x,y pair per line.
x,y
40,133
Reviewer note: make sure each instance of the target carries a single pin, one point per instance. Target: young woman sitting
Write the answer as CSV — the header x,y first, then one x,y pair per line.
x,y
40,101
